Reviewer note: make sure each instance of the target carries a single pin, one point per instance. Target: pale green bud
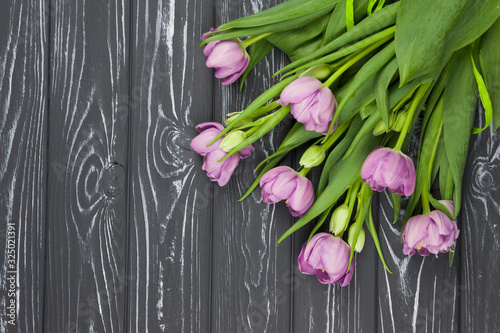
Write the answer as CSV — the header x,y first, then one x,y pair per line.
x,y
339,219
312,157
380,128
361,238
232,117
400,121
231,140
319,72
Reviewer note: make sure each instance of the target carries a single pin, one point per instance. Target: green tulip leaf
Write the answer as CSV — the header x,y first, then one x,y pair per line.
x,y
459,104
297,136
490,66
430,136
337,153
365,73
349,14
382,82
429,31
396,204
288,10
366,129
485,99
257,52
346,173
370,25
264,29
298,40
257,104
373,231
263,129
320,222
337,25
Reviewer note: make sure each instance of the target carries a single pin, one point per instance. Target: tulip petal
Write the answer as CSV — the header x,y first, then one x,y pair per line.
x,y
230,79
204,126
302,198
199,142
227,170
304,266
225,54
246,152
299,89
273,173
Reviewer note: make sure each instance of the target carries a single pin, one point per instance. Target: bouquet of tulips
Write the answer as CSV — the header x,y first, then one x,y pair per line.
x,y
363,74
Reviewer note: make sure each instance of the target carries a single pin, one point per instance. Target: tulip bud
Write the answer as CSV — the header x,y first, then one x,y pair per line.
x,y
319,72
311,103
360,243
232,140
400,121
232,117
339,219
312,157
380,128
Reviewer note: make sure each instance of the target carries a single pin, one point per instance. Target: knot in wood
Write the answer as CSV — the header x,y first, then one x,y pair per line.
x,y
485,179
113,179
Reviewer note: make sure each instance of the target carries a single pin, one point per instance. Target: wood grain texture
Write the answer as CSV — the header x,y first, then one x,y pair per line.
x,y
251,275
480,236
170,196
23,172
119,230
86,277
318,308
422,293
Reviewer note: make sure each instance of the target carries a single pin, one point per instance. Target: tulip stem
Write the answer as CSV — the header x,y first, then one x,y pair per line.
x,y
303,172
426,187
356,57
411,112
249,41
336,135
352,193
251,130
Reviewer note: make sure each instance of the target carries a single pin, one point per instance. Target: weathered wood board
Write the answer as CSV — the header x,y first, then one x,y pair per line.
x,y
117,228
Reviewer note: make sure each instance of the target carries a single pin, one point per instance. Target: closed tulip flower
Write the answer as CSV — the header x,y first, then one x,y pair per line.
x,y
219,172
327,257
283,183
228,57
432,233
310,103
389,168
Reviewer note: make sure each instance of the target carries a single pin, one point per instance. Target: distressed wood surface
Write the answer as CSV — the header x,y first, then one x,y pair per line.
x,y
170,198
23,153
119,230
87,155
479,288
251,276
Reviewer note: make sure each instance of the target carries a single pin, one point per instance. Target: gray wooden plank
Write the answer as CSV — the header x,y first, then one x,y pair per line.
x,y
23,172
86,277
422,293
480,235
251,275
331,308
170,198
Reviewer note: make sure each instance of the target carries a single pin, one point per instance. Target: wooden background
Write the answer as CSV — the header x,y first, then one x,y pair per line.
x,y
119,230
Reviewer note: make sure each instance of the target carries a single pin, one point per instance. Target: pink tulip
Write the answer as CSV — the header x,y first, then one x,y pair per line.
x,y
388,168
283,183
217,171
228,57
327,257
432,233
310,103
